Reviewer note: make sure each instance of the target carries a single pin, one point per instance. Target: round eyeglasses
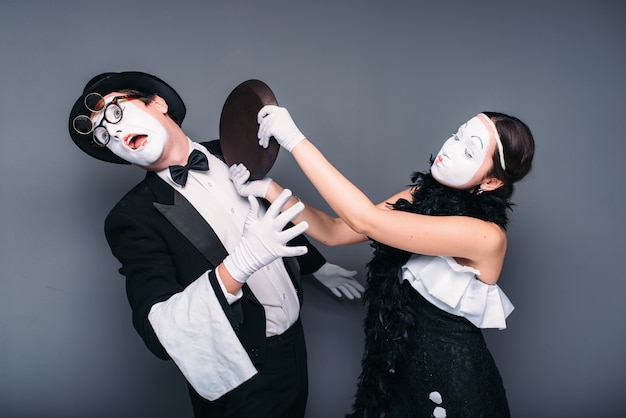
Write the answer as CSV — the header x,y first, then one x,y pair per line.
x,y
112,113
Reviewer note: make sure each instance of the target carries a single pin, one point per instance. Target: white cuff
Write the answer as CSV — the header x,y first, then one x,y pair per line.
x,y
194,330
230,298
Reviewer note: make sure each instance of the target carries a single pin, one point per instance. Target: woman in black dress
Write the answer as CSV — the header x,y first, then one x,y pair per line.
x,y
439,247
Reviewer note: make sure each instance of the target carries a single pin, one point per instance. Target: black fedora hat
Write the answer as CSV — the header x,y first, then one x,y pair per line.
x,y
129,80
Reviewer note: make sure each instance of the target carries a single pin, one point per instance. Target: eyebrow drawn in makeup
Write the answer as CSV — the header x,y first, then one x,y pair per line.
x,y
480,140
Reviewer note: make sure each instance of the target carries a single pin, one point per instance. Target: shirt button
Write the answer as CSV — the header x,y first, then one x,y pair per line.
x,y
232,210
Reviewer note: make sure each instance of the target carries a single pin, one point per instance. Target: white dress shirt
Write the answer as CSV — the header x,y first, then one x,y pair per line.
x,y
213,195
191,325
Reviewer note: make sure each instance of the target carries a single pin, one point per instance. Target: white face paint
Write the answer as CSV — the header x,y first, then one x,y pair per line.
x,y
463,154
139,137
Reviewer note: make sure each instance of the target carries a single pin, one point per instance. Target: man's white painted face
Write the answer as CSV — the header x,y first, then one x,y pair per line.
x,y
463,154
138,137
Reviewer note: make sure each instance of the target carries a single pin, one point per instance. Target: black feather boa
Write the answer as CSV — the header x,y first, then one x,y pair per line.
x,y
390,316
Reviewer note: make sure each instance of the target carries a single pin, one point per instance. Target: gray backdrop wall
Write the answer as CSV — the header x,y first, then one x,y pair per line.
x,y
378,86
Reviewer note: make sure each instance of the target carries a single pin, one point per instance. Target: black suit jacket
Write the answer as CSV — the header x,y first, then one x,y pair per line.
x,y
164,245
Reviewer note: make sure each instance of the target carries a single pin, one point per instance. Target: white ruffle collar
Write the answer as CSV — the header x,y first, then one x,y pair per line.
x,y
455,289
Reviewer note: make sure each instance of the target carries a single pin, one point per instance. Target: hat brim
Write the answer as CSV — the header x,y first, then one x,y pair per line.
x,y
239,127
130,80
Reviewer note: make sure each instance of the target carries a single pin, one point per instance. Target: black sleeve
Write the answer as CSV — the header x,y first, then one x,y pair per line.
x,y
157,264
150,275
312,260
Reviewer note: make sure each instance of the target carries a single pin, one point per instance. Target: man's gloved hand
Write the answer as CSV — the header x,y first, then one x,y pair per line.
x,y
263,240
339,280
239,175
276,122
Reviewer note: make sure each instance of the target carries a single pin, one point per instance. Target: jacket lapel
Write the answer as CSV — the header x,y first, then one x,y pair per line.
x,y
186,219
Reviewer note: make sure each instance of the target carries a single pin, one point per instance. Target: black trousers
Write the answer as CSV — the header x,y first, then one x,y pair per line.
x,y
278,390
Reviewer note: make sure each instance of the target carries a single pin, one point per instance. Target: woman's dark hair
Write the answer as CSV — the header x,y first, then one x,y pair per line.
x,y
519,148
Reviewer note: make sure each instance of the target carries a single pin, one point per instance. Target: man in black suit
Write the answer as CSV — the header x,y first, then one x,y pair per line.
x,y
210,280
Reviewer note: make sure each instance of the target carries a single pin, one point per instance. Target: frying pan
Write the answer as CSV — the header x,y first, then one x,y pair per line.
x,y
239,127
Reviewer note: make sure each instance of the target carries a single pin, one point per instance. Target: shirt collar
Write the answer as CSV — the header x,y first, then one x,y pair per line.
x,y
165,173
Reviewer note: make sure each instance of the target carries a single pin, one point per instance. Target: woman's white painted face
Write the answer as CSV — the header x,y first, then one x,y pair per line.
x,y
463,154
138,137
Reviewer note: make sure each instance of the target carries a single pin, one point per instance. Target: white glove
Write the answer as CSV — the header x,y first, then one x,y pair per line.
x,y
339,280
275,121
239,175
263,240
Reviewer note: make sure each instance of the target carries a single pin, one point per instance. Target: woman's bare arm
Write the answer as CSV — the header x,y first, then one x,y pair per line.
x,y
477,242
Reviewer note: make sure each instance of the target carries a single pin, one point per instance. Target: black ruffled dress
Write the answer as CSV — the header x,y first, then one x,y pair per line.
x,y
421,360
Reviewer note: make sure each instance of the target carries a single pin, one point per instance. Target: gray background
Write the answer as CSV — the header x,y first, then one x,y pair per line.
x,y
377,86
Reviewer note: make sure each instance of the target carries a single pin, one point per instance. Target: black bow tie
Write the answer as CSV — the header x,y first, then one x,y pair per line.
x,y
197,161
